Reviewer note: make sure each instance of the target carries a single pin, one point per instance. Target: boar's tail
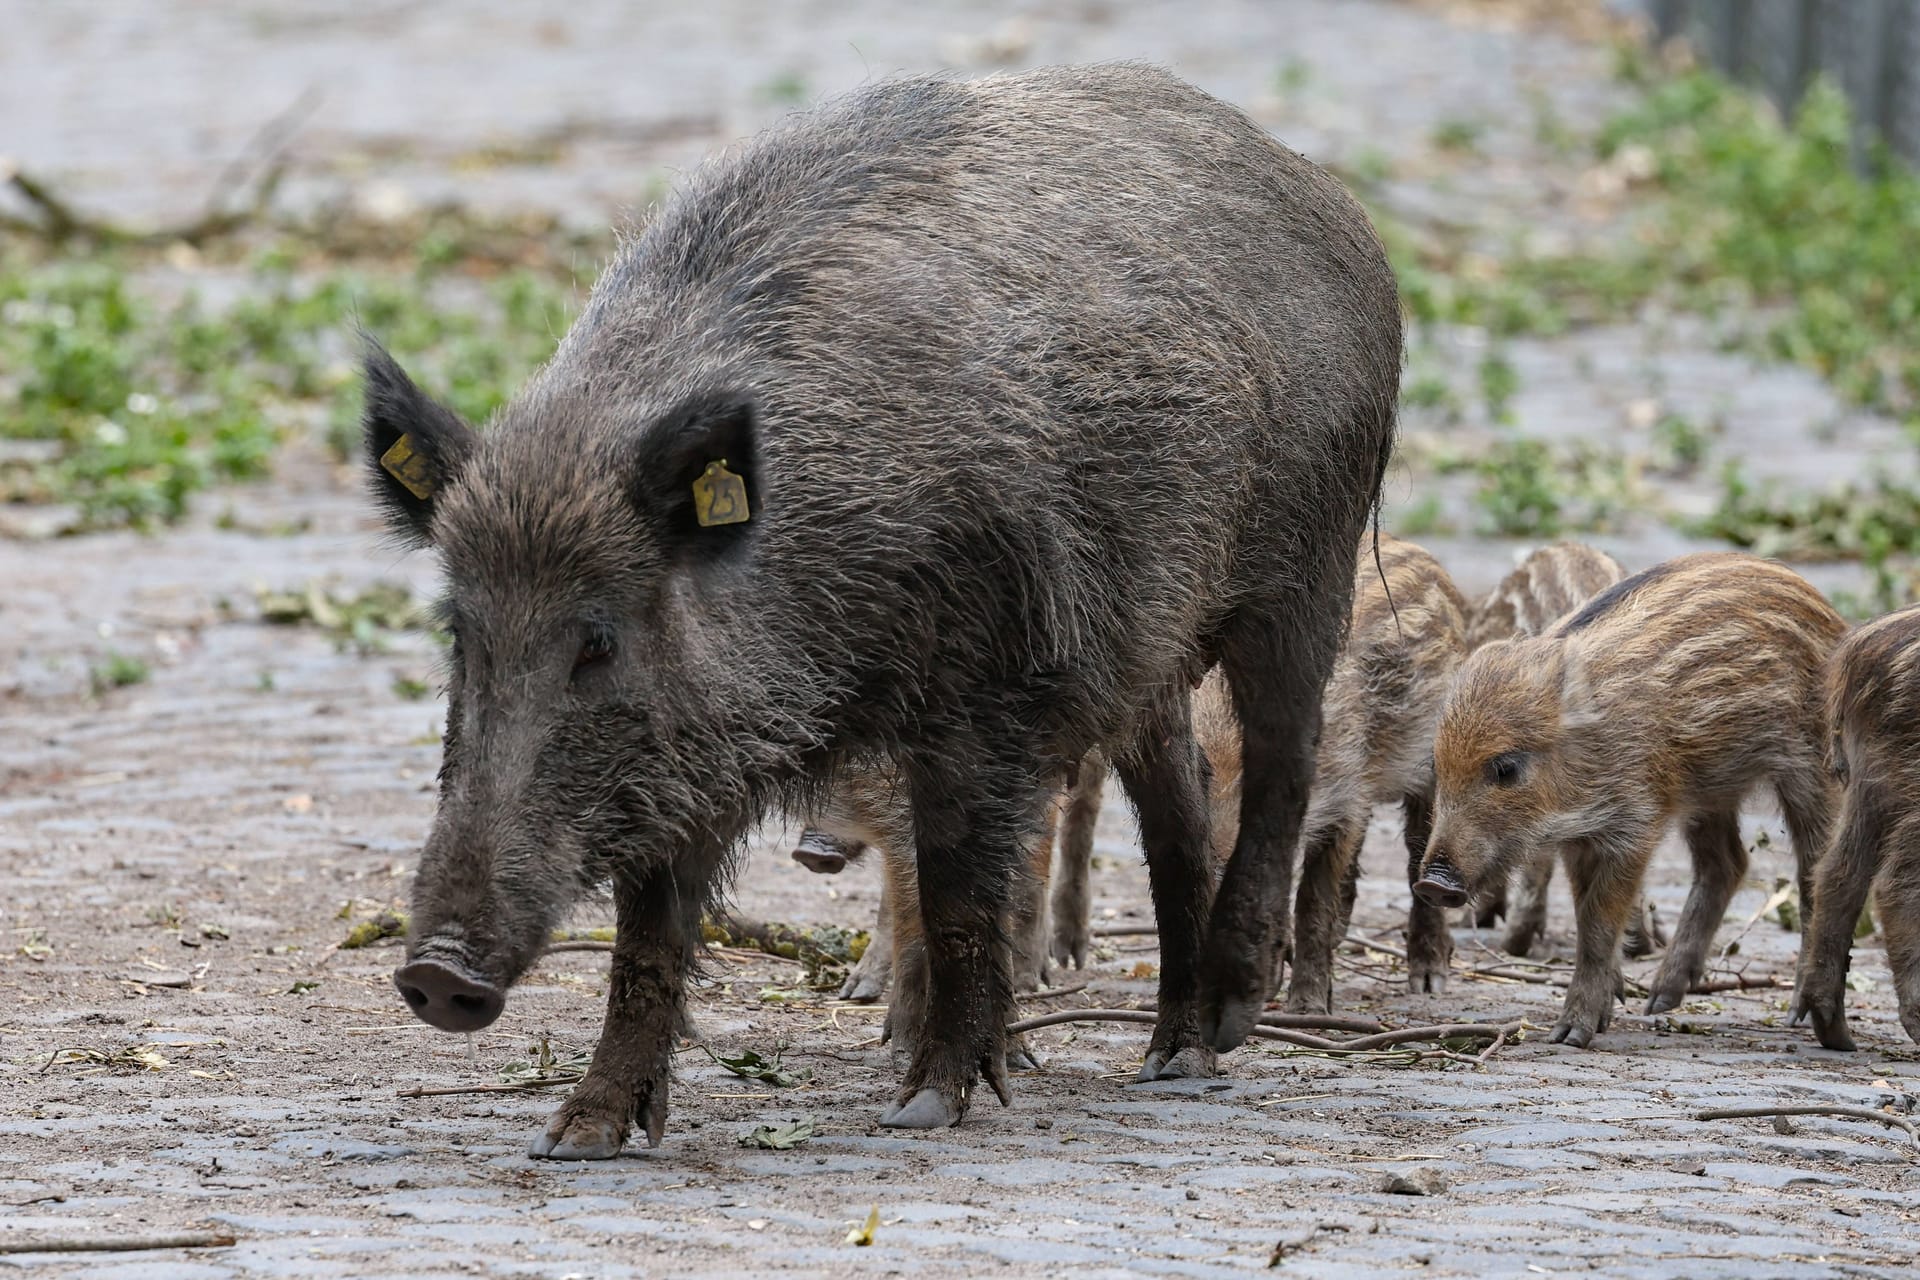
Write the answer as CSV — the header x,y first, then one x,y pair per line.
x,y
1379,567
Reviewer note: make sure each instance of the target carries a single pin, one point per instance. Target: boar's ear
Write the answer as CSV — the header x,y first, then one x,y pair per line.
x,y
415,446
696,474
1578,706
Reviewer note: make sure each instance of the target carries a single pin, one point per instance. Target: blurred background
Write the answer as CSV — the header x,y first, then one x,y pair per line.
x,y
1657,258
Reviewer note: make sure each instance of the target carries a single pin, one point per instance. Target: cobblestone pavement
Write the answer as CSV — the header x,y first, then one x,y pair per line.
x,y
263,779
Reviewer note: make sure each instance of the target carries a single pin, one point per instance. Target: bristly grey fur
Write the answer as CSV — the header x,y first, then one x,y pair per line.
x,y
1050,390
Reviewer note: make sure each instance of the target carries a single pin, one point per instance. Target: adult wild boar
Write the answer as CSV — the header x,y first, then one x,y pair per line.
x,y
958,424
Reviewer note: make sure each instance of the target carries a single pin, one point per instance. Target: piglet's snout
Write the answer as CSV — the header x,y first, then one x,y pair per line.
x,y
1440,885
447,997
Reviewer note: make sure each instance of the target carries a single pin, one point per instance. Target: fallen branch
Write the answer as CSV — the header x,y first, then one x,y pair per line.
x,y
519,1086
261,162
1294,1021
113,1244
1149,1016
1447,1031
1814,1109
1285,1027
578,944
1561,977
1125,931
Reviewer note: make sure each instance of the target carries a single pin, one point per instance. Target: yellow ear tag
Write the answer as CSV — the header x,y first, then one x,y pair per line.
x,y
409,468
720,497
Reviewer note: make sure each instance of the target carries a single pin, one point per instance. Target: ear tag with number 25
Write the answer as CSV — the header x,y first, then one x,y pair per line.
x,y
720,497
407,466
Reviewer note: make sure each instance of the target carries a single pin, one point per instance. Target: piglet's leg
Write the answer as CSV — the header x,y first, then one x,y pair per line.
x,y
1719,864
1606,887
1840,889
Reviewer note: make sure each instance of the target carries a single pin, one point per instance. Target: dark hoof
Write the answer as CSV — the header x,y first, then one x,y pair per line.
x,y
1427,980
1519,939
927,1109
864,988
1194,1062
579,1138
1829,1018
1570,1034
1226,1022
1069,949
1661,1001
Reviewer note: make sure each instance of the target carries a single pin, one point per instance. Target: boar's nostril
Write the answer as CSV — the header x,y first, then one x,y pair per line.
x,y
445,997
1440,886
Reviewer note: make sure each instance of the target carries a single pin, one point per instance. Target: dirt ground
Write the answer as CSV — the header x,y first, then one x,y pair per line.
x,y
183,1046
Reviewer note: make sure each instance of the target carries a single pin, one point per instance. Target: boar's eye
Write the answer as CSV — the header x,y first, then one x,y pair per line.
x,y
595,648
1504,770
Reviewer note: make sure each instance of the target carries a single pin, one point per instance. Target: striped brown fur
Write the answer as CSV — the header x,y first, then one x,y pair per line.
x,y
1551,582
1408,635
1667,698
1873,709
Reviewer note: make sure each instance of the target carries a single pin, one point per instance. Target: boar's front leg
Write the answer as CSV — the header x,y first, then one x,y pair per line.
x,y
1165,777
627,1083
971,822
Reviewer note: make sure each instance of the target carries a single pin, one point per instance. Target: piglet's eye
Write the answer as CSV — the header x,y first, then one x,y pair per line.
x,y
1504,770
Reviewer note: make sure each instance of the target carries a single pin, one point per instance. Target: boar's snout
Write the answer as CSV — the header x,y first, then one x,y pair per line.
x,y
1440,885
447,997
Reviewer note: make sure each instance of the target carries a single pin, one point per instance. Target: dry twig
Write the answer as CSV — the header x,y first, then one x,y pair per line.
x,y
519,1086
113,1244
1816,1109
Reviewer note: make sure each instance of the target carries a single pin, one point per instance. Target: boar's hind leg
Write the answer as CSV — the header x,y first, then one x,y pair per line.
x,y
972,822
1276,671
1840,889
1429,942
652,950
1165,778
1719,863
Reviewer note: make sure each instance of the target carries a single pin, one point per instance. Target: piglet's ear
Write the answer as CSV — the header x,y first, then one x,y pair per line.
x,y
1578,706
696,475
415,446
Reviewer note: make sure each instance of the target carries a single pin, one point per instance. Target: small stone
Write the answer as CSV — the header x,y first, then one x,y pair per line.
x,y
1192,1194
1421,1182
1043,1122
